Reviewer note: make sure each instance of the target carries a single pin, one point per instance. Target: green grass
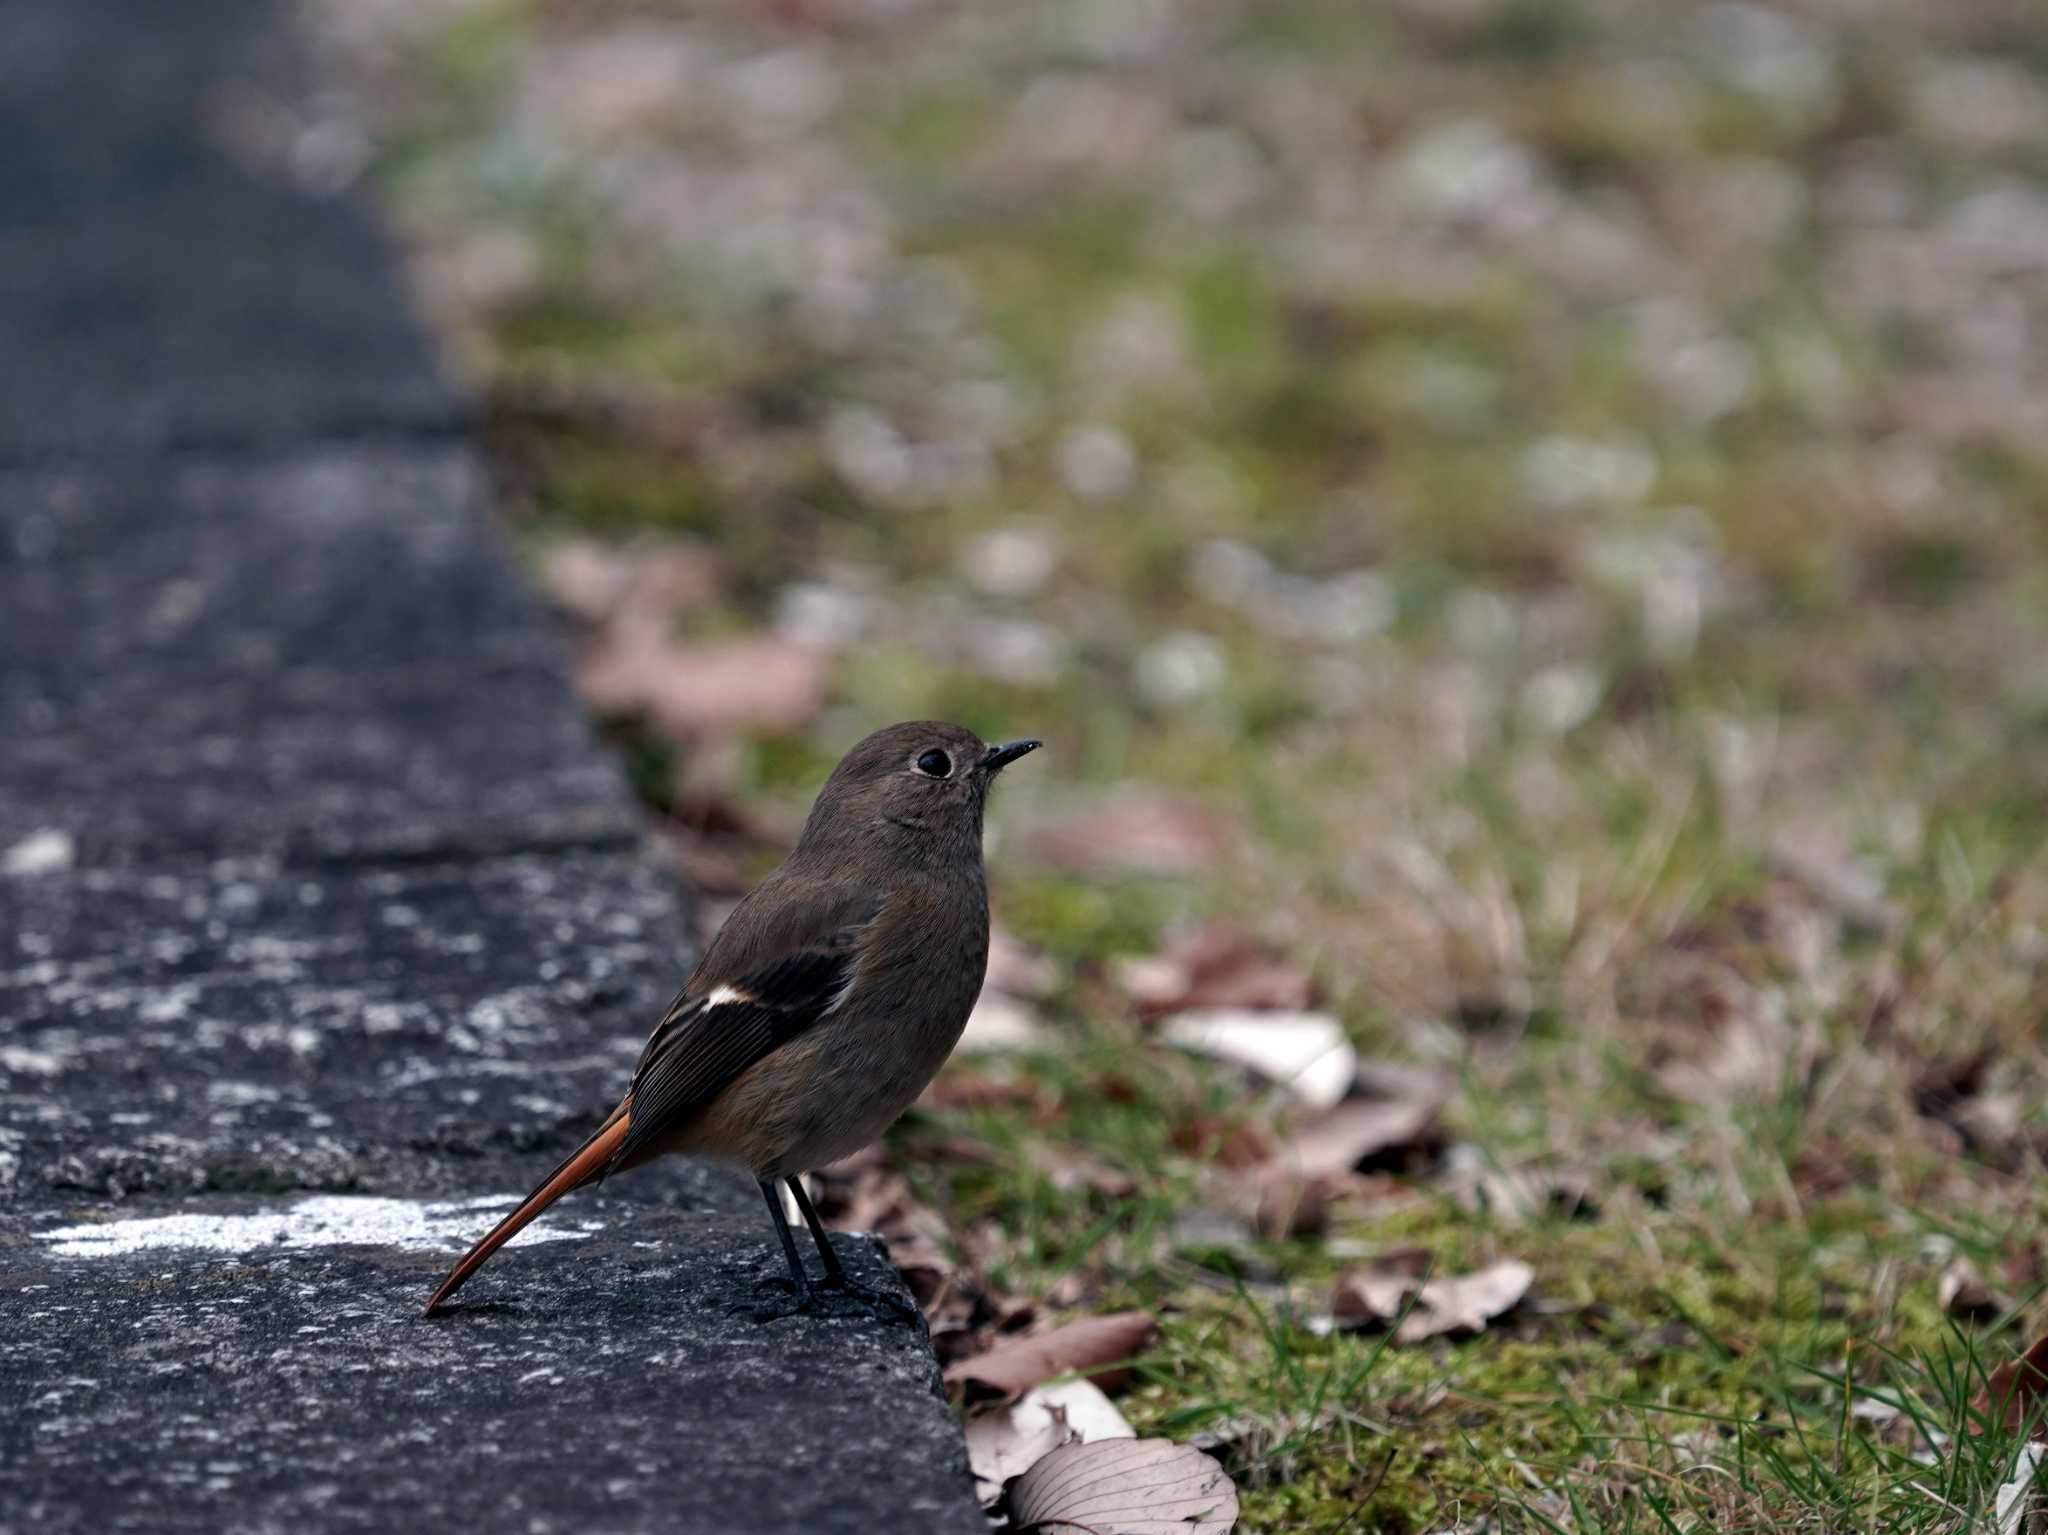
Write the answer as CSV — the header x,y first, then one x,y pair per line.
x,y
1532,828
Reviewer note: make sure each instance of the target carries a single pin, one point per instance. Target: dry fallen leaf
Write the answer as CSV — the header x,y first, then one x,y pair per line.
x,y
1005,1441
632,665
1014,1365
603,584
691,691
1124,1487
1134,832
1291,1192
1237,1144
964,1087
2016,1395
1357,1130
1383,1290
1217,965
1306,1053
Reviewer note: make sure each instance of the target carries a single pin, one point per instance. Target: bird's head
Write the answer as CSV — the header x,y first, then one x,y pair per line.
x,y
920,779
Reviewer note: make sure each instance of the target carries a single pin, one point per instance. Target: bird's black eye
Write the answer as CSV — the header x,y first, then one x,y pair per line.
x,y
934,763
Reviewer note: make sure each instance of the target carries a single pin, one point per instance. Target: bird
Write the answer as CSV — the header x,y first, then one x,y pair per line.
x,y
827,1001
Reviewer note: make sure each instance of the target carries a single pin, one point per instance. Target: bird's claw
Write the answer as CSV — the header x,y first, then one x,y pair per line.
x,y
875,1301
834,1297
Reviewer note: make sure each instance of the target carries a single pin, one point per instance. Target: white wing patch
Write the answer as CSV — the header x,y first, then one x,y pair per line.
x,y
721,995
845,990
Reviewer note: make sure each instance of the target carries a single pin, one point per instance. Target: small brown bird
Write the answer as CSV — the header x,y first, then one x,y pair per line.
x,y
829,999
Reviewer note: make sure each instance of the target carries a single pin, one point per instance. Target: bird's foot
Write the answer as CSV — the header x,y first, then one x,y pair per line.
x,y
835,1297
799,1299
877,1303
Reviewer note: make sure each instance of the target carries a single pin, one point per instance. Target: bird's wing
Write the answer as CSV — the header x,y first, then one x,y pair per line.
x,y
709,1037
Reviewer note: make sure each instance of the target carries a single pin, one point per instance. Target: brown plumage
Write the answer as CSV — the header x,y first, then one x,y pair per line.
x,y
831,996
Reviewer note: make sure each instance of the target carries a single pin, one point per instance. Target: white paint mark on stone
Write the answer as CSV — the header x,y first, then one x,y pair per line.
x,y
327,1220
22,1061
40,852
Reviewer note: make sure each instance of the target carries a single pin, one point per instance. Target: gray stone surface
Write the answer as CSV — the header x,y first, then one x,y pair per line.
x,y
602,1383
327,651
250,1111
325,928
172,253
249,1024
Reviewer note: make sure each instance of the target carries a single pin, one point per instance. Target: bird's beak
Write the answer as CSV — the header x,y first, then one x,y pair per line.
x,y
1000,757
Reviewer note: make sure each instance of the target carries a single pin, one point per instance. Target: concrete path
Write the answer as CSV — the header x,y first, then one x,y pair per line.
x,y
324,925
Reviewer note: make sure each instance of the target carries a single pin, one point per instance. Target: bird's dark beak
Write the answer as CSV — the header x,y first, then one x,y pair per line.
x,y
1000,757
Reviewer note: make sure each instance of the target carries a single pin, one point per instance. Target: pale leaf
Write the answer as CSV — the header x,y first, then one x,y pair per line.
x,y
1306,1053
1010,1440
999,1022
1395,1287
1124,1487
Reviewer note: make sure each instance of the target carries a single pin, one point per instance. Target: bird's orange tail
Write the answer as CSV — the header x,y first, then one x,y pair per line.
x,y
587,1164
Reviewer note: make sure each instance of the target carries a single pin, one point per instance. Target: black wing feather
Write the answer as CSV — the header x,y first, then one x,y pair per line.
x,y
697,1050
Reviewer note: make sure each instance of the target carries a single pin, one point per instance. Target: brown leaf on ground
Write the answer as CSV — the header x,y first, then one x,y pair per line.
x,y
1124,1487
1381,1291
640,586
1291,1191
1237,1144
961,1087
688,692
1358,1132
1012,1366
1132,832
1216,965
2016,1395
632,664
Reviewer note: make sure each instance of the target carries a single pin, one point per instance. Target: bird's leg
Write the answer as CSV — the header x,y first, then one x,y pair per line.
x,y
799,1281
835,1275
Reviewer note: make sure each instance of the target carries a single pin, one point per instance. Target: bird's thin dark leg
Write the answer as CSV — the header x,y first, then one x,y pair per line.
x,y
797,1277
835,1276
